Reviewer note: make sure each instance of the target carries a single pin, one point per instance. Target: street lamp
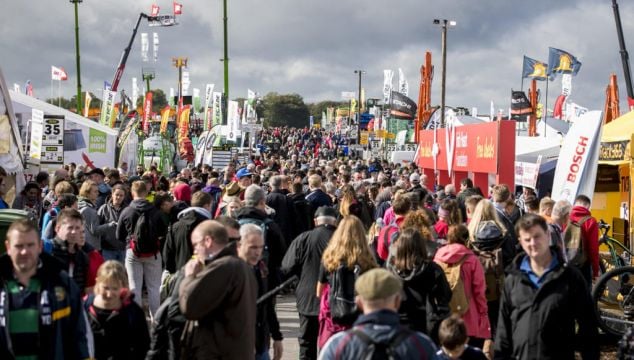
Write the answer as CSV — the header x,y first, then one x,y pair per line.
x,y
79,108
360,72
444,23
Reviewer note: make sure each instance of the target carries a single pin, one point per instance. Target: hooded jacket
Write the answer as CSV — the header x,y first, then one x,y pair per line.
x,y
109,214
129,216
67,335
590,234
178,248
124,333
427,297
93,228
539,323
476,318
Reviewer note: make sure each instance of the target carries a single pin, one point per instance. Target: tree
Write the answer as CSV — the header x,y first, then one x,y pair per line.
x,y
317,109
61,102
159,100
281,110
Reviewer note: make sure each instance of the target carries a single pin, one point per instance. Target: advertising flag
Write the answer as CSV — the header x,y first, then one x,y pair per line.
x,y
402,106
107,106
155,45
87,101
534,69
37,127
178,8
208,90
170,100
196,99
520,106
387,85
16,87
217,109
147,111
155,10
186,82
165,116
577,162
234,119
183,123
107,85
562,62
145,47
135,92
251,98
58,73
28,88
403,86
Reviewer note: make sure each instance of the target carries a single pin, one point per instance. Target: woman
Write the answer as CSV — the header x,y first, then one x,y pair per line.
x,y
456,253
347,249
111,249
62,187
118,323
448,215
427,293
94,230
30,199
420,221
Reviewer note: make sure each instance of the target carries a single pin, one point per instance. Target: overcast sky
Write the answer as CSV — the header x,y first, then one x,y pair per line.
x,y
312,47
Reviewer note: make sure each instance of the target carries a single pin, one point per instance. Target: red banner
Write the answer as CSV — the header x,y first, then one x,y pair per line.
x,y
147,109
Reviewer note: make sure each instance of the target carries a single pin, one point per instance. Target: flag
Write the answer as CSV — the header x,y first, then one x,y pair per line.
x,y
185,83
183,124
135,92
178,8
58,73
145,47
155,46
403,86
402,106
534,69
87,101
147,110
562,62
196,99
16,87
155,10
170,100
208,90
251,98
165,115
216,108
107,106
28,88
520,106
387,85
107,85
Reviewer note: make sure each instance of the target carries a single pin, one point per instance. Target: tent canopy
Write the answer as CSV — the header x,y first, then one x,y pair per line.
x,y
620,128
615,140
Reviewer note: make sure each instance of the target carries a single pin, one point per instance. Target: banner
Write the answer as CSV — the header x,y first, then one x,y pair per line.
x,y
251,98
402,107
183,124
37,127
155,10
87,101
178,8
534,69
145,47
577,165
155,46
196,100
520,106
387,85
135,92
165,116
185,83
208,91
216,109
233,119
147,112
58,73
562,62
403,86
16,87
107,105
170,99
526,173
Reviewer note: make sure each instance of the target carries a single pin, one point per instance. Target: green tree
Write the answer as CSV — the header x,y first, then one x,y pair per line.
x,y
281,110
62,102
317,109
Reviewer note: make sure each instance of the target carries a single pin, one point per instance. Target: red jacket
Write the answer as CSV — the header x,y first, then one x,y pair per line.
x,y
590,231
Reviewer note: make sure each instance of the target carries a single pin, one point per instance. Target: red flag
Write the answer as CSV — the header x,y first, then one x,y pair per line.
x,y
147,109
177,8
155,10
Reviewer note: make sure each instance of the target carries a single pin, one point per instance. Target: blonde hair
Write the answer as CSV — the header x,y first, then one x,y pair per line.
x,y
64,187
418,220
484,211
348,245
347,199
84,191
112,270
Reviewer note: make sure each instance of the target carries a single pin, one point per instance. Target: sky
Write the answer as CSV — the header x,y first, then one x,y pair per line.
x,y
313,47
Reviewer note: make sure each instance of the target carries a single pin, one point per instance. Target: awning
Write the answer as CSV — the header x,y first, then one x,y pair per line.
x,y
615,140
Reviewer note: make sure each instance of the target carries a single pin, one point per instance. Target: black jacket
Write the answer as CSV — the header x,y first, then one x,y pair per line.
x,y
302,215
79,259
277,200
107,214
178,247
318,198
303,259
540,323
266,324
427,297
129,216
123,335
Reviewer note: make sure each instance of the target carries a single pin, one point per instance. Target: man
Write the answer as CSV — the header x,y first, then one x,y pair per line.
x,y
232,226
250,249
544,303
218,294
177,250
123,169
97,175
581,215
317,197
67,249
303,259
277,200
142,265
379,297
466,190
501,197
42,315
559,218
301,209
254,212
244,181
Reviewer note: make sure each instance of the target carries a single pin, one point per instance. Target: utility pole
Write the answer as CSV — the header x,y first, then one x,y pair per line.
x,y
180,62
360,72
226,50
79,104
444,23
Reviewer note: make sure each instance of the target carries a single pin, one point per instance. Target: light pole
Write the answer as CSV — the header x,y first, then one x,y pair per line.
x,y
79,107
444,23
225,19
180,62
360,72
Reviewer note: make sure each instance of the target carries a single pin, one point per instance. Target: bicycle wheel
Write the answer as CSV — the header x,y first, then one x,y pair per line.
x,y
613,299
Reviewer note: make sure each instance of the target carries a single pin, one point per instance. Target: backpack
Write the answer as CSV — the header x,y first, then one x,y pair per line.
x,y
374,350
264,225
574,242
488,249
388,239
459,303
144,241
343,308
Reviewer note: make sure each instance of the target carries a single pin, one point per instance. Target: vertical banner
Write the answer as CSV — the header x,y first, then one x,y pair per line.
x,y
155,46
165,116
217,109
170,99
387,85
208,91
107,106
233,119
577,165
185,82
403,86
37,125
251,97
196,100
87,101
135,92
145,47
147,110
183,124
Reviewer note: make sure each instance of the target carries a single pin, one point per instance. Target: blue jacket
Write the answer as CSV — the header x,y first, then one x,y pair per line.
x,y
381,326
64,332
318,198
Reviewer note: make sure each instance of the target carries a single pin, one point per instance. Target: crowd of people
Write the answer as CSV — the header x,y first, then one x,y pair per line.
x,y
385,262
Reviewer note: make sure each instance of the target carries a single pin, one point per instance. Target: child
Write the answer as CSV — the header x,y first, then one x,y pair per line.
x,y
117,322
453,339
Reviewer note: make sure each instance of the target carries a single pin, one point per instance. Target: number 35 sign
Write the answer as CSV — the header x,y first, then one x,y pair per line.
x,y
53,140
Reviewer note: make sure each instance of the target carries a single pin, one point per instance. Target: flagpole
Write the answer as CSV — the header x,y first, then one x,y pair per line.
x,y
546,107
52,101
59,93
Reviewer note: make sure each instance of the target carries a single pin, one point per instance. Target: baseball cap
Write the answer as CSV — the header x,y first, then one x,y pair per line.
x,y
414,178
243,172
377,284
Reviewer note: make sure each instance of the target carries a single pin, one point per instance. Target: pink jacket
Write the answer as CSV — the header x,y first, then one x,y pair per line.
x,y
476,318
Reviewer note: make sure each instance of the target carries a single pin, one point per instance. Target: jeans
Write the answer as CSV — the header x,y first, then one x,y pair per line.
x,y
118,255
308,333
146,269
264,355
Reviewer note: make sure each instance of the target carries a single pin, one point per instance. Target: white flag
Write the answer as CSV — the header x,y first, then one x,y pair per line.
x,y
233,119
155,47
58,73
387,85
16,87
185,82
403,86
208,90
251,96
135,92
145,47
492,111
